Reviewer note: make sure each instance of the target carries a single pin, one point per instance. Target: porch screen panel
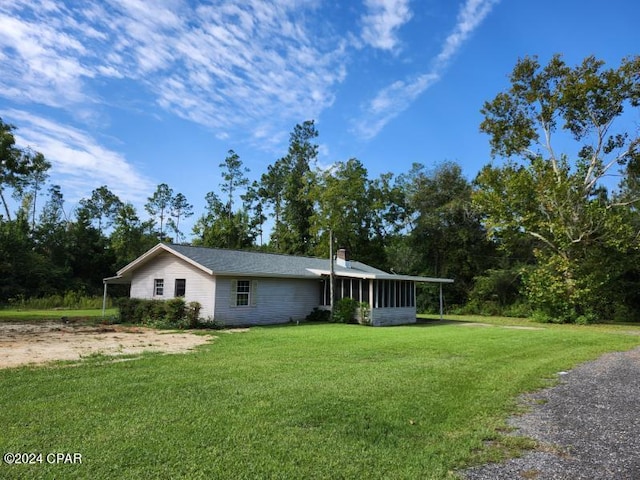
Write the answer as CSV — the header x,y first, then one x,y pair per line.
x,y
413,295
409,288
388,293
365,291
374,300
325,292
396,293
387,287
405,294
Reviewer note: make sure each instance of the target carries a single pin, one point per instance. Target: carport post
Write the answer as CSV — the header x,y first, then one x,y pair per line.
x,y
104,298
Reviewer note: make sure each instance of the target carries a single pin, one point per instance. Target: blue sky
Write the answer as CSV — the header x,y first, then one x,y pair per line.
x,y
133,93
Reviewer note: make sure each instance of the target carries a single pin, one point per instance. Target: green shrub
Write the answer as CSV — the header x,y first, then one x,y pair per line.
x,y
126,310
318,315
364,311
541,317
173,313
193,314
501,286
345,311
476,307
72,300
146,311
211,322
519,309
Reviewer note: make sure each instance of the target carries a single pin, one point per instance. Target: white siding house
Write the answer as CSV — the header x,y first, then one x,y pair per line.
x,y
272,300
254,288
166,267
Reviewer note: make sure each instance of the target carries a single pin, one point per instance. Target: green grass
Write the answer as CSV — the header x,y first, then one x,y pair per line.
x,y
33,314
310,401
513,321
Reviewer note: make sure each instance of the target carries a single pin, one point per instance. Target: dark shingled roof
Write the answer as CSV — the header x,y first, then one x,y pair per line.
x,y
242,262
218,261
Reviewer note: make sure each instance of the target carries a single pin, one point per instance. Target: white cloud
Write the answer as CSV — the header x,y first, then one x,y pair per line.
x,y
392,100
240,65
251,68
470,16
79,162
382,20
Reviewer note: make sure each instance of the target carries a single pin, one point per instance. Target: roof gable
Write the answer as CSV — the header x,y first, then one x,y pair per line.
x,y
153,253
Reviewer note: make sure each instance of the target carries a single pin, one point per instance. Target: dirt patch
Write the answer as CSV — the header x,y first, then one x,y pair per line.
x,y
37,343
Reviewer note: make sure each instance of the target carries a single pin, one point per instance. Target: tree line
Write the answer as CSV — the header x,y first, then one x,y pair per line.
x,y
541,232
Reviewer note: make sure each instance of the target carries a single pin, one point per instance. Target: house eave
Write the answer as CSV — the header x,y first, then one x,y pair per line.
x,y
263,275
117,280
382,276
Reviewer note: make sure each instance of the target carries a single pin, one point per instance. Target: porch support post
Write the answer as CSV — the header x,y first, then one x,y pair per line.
x,y
371,290
104,299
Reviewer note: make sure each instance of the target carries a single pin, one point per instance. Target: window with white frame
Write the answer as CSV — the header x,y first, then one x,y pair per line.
x,y
243,293
158,287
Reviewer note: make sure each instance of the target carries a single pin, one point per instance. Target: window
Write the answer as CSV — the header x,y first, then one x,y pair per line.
x,y
243,293
158,285
181,286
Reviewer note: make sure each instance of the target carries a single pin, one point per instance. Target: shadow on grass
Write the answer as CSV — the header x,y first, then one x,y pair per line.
x,y
431,322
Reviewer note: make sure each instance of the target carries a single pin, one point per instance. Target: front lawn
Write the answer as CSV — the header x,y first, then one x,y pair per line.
x,y
309,401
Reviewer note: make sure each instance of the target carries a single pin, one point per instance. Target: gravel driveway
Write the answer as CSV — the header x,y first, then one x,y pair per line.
x,y
590,421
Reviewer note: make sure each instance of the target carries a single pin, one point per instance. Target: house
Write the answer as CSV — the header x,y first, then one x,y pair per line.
x,y
254,288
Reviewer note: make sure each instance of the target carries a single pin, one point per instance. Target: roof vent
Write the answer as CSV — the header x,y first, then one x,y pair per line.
x,y
343,258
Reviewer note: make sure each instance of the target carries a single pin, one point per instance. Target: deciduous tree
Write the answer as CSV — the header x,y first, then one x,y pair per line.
x,y
445,237
562,200
345,202
215,228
